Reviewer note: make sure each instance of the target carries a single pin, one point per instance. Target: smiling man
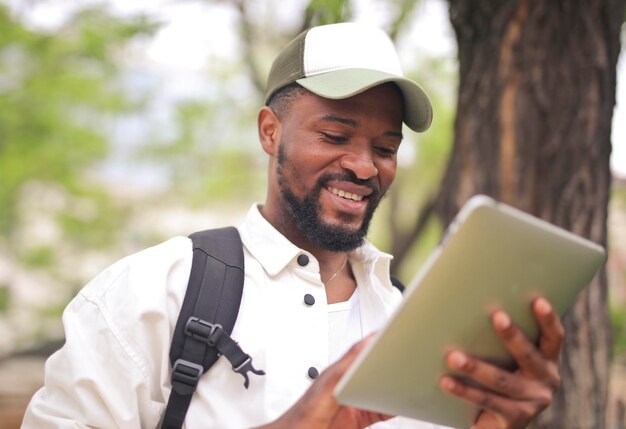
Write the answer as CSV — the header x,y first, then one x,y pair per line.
x,y
314,288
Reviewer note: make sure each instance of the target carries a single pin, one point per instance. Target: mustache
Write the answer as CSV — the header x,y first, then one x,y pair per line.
x,y
348,176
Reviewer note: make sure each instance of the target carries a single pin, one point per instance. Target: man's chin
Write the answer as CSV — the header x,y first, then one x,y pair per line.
x,y
343,225
338,240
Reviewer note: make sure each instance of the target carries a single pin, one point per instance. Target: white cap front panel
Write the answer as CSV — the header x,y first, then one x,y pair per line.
x,y
349,45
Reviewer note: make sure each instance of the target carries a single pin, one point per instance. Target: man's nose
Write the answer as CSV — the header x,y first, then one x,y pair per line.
x,y
360,163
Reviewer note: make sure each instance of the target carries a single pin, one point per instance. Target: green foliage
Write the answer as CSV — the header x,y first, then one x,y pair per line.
x,y
38,257
54,312
184,153
235,175
618,321
404,10
91,219
57,92
5,298
618,191
204,160
321,12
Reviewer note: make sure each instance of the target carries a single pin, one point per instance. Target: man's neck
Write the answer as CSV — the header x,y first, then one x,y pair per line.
x,y
332,264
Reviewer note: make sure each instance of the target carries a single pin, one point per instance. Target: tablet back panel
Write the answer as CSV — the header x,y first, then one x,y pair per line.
x,y
493,256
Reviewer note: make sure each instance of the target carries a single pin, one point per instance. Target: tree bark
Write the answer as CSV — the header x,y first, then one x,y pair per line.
x,y
533,126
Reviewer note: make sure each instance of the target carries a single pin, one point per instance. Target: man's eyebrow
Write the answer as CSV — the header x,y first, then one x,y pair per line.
x,y
396,134
334,118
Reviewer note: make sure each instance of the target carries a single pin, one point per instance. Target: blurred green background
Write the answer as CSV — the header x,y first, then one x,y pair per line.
x,y
124,124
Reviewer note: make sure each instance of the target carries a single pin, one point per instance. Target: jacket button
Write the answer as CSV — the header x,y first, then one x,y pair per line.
x,y
313,373
309,299
303,260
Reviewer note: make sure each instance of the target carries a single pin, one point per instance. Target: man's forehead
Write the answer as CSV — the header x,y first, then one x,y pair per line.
x,y
383,100
387,90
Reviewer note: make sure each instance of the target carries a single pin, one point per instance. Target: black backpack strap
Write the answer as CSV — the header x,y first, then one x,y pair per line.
x,y
207,318
397,283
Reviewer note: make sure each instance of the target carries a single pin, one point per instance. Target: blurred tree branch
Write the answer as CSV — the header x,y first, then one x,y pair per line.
x,y
322,12
405,8
247,34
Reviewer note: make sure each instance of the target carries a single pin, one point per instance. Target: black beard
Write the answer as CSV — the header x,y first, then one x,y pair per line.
x,y
306,213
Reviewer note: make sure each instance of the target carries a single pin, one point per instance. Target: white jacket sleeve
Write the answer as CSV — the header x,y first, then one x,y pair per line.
x,y
113,370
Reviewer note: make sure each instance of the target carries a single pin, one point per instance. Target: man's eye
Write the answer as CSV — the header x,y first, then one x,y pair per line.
x,y
333,137
386,151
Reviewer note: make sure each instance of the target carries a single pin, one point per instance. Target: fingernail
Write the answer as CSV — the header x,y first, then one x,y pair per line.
x,y
458,359
501,320
542,306
447,383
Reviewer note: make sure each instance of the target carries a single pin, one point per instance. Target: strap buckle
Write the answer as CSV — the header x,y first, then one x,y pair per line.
x,y
203,331
185,376
246,367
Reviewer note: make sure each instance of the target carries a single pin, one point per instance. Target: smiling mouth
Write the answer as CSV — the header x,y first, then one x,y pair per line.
x,y
347,195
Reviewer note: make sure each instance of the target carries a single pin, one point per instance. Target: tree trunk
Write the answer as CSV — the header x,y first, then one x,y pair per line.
x,y
533,126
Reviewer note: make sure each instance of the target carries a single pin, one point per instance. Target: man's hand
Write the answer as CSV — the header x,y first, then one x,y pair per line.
x,y
510,400
318,408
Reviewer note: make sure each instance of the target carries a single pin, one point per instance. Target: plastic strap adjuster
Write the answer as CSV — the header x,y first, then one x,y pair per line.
x,y
185,376
203,331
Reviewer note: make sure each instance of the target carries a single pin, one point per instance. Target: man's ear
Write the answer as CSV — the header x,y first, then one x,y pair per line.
x,y
269,130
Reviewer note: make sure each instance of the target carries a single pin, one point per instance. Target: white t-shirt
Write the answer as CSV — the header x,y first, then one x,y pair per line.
x,y
344,326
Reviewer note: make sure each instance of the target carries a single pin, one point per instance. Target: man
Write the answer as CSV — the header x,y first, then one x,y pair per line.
x,y
331,127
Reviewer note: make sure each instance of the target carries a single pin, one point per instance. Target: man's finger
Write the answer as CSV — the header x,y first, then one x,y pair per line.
x,y
502,382
552,331
525,353
510,410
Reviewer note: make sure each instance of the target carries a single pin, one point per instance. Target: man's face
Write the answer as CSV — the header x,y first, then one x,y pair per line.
x,y
336,159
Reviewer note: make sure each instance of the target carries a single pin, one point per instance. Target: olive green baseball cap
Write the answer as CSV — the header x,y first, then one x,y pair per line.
x,y
342,60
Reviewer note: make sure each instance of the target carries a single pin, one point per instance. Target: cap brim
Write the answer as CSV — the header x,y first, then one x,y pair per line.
x,y
344,83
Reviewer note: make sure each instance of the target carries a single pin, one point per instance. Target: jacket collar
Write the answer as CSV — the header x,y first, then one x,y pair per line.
x,y
274,251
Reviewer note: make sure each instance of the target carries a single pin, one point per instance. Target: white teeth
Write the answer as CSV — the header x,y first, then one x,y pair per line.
x,y
347,195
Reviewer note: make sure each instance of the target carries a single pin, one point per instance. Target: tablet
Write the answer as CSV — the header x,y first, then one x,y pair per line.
x,y
492,256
